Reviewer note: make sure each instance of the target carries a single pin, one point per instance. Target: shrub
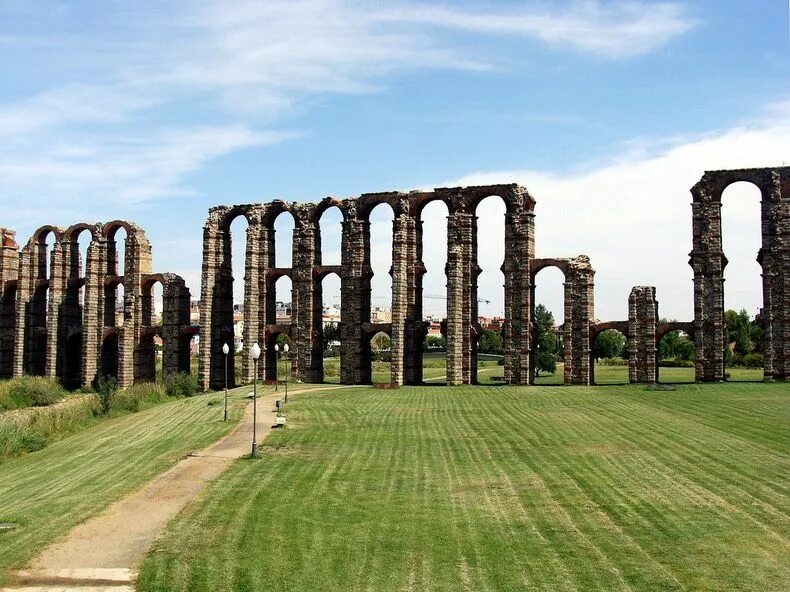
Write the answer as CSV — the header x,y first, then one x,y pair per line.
x,y
615,361
676,363
31,391
180,384
106,387
753,360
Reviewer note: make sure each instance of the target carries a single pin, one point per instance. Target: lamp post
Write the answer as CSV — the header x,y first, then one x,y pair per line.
x,y
276,366
256,353
226,351
287,374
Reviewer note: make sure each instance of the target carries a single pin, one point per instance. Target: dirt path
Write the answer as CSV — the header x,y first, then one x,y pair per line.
x,y
104,552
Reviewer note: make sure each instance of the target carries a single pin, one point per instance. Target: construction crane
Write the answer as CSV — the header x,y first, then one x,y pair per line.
x,y
438,297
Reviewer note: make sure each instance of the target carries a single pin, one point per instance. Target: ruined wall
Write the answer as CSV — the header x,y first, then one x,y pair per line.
x,y
407,328
708,261
61,318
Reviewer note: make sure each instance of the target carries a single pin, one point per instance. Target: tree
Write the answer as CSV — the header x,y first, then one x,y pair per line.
x,y
331,333
491,343
739,331
380,343
546,341
435,342
609,344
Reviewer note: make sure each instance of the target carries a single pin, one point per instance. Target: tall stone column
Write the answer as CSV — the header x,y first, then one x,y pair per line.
x,y
461,276
9,275
517,328
252,298
642,342
307,357
58,286
216,303
406,312
137,265
708,261
93,310
774,258
578,316
355,299
175,317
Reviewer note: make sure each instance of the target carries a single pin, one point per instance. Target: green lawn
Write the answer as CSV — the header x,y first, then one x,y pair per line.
x,y
50,491
509,488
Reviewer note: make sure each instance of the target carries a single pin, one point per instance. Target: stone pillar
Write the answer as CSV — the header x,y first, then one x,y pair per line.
x,y
642,342
355,298
93,310
175,318
216,303
461,277
403,251
137,266
9,274
774,257
517,328
708,261
307,358
578,316
30,332
253,269
56,326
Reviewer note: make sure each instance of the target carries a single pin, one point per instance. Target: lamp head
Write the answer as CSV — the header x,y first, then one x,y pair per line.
x,y
276,347
256,351
225,349
286,348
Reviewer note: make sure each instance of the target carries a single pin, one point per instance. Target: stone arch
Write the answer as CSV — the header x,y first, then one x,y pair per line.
x,y
578,305
662,330
707,260
596,330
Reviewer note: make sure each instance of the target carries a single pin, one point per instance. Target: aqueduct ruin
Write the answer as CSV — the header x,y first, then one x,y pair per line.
x,y
61,318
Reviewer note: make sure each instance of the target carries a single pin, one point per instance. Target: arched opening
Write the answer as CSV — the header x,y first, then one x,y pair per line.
x,y
675,351
381,220
548,317
490,355
237,233
284,309
114,302
381,368
37,328
117,239
71,314
433,219
741,236
109,355
331,344
609,353
279,364
148,363
488,306
331,232
283,239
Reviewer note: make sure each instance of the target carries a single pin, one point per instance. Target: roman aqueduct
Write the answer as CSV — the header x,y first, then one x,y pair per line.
x,y
58,316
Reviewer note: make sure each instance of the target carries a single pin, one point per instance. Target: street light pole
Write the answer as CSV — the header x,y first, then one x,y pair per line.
x,y
226,351
276,366
287,374
256,353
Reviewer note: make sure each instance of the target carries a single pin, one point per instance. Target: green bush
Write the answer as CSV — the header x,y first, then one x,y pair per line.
x,y
676,363
106,387
29,391
753,360
180,384
615,361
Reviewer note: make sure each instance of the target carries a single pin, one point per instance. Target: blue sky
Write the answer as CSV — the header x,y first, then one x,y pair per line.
x,y
607,111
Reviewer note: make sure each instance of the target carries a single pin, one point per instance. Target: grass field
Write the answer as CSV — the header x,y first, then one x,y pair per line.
x,y
50,491
482,489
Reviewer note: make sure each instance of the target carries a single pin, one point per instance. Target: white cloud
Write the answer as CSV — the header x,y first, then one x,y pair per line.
x,y
632,217
612,31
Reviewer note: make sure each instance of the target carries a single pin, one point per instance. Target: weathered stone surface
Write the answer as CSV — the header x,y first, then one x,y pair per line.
x,y
708,261
61,319
407,328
